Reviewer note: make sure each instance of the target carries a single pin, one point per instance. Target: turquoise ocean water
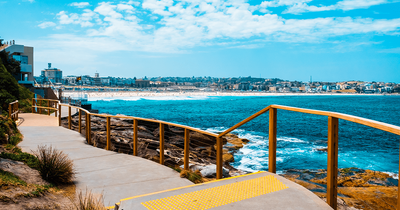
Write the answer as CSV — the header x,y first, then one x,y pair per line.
x,y
299,135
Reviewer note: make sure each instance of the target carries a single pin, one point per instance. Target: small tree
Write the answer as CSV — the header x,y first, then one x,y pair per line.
x,y
9,88
11,65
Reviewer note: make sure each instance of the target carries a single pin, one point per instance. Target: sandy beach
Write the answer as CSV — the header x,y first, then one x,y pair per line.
x,y
122,94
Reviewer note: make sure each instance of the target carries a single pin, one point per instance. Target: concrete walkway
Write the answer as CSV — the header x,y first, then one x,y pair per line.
x,y
114,174
137,183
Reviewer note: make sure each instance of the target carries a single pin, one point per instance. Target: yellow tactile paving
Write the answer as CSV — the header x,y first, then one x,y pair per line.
x,y
218,196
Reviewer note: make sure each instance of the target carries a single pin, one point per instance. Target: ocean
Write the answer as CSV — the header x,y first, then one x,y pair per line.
x,y
299,135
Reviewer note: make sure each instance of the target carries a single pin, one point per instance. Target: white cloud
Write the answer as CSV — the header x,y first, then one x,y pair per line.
x,y
182,25
47,24
80,4
392,50
301,6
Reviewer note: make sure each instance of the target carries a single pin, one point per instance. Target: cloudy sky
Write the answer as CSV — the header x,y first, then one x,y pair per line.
x,y
331,40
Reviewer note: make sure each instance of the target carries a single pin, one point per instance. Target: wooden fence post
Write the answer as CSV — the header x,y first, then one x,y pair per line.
x,y
89,129
59,116
219,158
9,111
135,137
186,150
55,106
161,144
48,105
398,191
333,131
17,110
108,134
33,104
69,117
80,121
40,104
272,140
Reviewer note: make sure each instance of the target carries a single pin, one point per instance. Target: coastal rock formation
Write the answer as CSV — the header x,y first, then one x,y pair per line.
x,y
357,188
202,147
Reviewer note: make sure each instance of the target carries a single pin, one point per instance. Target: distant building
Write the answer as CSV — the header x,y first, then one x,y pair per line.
x,y
96,80
53,75
142,83
24,55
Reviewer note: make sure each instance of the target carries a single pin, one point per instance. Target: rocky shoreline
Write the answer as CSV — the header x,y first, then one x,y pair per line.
x,y
357,188
202,147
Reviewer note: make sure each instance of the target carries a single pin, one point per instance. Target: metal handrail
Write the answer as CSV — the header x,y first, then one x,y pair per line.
x,y
13,110
333,132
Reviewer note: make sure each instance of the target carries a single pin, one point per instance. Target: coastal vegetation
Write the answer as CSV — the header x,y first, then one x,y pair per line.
x,y
10,90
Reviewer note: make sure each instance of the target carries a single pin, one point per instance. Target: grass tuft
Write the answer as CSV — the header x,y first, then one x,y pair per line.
x,y
54,166
9,179
88,201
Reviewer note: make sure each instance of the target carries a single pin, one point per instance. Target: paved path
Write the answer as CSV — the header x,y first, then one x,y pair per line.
x,y
137,183
116,175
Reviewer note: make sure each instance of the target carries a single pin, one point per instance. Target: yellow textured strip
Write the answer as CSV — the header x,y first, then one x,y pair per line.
x,y
178,188
218,196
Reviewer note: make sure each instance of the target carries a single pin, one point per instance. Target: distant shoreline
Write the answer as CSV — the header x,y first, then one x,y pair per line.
x,y
110,94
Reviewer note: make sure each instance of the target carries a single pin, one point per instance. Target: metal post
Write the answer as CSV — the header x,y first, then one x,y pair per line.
x,y
89,129
108,134
161,144
219,158
69,117
59,116
135,137
80,121
272,140
333,131
48,105
186,150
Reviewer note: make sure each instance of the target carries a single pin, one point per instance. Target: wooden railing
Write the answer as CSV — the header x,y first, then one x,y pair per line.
x,y
333,131
333,138
47,105
13,110
187,130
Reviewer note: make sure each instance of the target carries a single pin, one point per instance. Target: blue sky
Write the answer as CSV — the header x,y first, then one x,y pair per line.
x,y
290,39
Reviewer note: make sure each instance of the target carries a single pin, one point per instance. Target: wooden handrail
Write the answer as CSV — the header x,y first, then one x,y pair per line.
x,y
363,121
13,110
333,124
333,130
50,105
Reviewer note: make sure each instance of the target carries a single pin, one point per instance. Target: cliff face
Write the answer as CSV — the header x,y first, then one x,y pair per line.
x,y
357,188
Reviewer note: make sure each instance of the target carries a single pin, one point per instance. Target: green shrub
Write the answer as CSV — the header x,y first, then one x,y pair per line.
x,y
7,178
54,166
27,158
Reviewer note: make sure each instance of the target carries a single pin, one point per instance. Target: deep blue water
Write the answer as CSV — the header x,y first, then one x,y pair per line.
x,y
298,134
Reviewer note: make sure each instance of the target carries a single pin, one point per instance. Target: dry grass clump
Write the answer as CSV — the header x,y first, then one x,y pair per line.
x,y
54,166
194,177
88,201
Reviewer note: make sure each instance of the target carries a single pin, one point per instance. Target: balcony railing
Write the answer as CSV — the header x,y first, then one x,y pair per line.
x,y
333,138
